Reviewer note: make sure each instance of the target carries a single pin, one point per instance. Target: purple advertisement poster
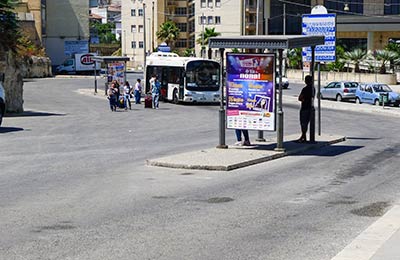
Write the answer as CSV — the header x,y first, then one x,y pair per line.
x,y
250,91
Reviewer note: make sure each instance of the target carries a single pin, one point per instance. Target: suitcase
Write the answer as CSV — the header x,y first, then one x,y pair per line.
x,y
148,101
121,102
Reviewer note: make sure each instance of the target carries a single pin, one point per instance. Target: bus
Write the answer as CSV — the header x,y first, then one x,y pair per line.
x,y
184,79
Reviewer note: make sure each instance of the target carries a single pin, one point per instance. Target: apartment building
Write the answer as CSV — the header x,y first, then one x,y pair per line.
x,y
367,24
139,22
32,17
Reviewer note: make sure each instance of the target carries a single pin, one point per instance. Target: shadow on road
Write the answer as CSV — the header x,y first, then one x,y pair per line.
x,y
33,113
330,150
363,138
10,129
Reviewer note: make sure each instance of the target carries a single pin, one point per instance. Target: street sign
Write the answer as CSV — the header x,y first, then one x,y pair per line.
x,y
320,24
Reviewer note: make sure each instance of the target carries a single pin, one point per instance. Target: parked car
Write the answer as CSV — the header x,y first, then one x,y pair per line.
x,y
340,90
373,93
2,98
285,81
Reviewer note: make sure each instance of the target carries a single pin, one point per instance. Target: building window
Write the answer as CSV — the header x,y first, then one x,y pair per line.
x,y
140,12
133,44
217,19
191,26
191,11
182,27
181,11
192,41
181,43
210,20
203,20
133,28
210,3
392,7
141,45
217,3
203,4
141,29
133,12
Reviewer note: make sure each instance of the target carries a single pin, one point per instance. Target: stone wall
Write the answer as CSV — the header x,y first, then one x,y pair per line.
x,y
36,67
13,82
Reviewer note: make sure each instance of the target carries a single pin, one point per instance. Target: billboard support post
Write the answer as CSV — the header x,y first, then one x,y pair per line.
x,y
279,137
222,144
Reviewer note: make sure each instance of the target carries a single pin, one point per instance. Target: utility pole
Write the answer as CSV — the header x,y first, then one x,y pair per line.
x,y
144,36
152,26
202,35
284,18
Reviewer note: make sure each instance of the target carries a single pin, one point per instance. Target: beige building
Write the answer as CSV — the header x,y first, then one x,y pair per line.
x,y
134,14
229,18
66,20
31,14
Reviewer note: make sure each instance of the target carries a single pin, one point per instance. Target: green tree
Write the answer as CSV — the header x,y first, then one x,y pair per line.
x,y
385,57
295,58
188,52
104,31
355,57
204,38
9,27
168,33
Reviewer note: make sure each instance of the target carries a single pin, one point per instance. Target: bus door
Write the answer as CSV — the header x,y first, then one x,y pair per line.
x,y
164,83
181,81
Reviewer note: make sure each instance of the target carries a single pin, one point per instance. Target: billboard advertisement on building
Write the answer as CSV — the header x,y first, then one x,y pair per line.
x,y
250,91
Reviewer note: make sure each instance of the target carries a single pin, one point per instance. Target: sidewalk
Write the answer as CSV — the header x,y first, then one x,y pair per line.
x,y
241,156
380,241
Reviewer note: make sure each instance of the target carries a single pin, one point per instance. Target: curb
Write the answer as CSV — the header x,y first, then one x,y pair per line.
x,y
243,164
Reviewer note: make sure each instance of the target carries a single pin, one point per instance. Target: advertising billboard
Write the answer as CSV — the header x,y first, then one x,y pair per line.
x,y
116,71
250,91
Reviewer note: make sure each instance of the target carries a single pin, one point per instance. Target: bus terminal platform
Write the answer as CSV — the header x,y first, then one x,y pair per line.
x,y
234,157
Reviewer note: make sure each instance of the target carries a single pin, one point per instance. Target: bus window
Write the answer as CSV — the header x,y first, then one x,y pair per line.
x,y
202,74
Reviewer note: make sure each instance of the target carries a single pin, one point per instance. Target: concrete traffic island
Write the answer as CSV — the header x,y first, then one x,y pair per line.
x,y
241,156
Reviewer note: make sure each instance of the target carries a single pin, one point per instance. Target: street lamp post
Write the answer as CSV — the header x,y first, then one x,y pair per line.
x,y
202,34
144,36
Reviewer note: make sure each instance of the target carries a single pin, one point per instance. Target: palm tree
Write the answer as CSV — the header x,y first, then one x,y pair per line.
x,y
204,38
355,57
168,33
386,57
9,27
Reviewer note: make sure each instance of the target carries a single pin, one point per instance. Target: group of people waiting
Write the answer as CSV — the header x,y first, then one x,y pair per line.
x,y
123,100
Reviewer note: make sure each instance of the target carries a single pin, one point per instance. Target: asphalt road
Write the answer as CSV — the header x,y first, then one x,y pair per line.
x,y
74,185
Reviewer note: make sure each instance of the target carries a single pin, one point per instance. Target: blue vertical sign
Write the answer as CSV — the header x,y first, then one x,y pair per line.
x,y
325,25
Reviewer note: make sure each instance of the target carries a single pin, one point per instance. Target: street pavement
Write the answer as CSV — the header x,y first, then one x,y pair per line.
x,y
377,242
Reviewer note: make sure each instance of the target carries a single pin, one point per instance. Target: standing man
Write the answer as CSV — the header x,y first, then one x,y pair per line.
x,y
138,91
155,92
305,97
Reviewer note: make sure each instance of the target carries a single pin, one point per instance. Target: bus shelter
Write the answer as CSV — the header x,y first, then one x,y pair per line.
x,y
115,67
265,42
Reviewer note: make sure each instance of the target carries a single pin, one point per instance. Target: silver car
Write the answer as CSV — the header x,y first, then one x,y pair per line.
x,y
340,90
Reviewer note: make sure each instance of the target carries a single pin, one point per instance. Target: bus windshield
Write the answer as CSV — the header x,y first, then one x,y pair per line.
x,y
202,75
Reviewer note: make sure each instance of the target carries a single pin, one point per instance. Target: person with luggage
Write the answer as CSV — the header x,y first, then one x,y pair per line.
x,y
138,91
112,97
155,92
127,95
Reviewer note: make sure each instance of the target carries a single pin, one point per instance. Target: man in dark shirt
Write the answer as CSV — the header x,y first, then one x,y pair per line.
x,y
305,97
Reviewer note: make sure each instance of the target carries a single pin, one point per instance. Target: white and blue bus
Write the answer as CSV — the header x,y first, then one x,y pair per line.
x,y
184,79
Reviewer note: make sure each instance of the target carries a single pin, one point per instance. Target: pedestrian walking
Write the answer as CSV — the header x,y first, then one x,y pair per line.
x,y
112,97
155,92
127,95
305,97
138,91
246,141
